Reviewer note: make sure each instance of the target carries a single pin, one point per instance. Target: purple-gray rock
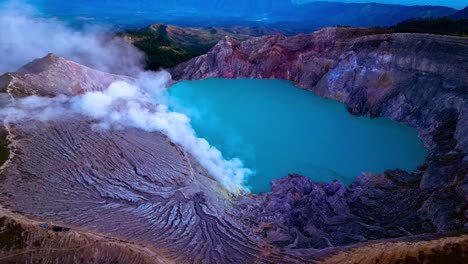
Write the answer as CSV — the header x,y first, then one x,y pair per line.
x,y
418,79
138,188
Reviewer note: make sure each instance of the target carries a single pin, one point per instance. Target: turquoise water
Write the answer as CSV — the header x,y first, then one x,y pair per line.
x,y
277,129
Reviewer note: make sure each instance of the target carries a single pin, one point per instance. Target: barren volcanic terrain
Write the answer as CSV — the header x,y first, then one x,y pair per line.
x,y
71,193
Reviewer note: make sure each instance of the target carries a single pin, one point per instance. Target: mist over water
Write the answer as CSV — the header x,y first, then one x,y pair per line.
x,y
135,105
277,129
230,127
138,104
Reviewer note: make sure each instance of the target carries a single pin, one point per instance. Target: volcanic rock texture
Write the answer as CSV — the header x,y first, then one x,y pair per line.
x,y
417,79
129,183
129,195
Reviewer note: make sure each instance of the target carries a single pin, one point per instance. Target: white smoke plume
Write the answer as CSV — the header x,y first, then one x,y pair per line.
x,y
139,105
24,37
124,105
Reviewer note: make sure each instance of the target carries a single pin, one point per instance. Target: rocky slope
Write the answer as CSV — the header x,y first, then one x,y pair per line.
x,y
439,250
198,38
416,79
129,184
168,45
26,240
403,76
140,196
53,75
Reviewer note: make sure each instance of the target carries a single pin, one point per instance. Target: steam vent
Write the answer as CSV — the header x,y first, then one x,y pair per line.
x,y
113,148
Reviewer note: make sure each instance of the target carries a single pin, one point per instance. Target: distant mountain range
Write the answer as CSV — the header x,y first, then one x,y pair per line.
x,y
462,13
278,13
361,15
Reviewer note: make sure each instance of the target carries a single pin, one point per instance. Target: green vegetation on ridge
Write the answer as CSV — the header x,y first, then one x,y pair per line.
x,y
441,26
160,51
166,46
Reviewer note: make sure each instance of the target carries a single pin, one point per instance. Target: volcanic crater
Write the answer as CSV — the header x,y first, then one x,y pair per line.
x,y
134,196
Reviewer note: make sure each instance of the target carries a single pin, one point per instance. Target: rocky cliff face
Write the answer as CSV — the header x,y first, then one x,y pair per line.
x,y
129,184
53,75
26,240
412,78
140,196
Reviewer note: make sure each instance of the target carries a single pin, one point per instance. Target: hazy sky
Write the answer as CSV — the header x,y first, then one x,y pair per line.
x,y
459,4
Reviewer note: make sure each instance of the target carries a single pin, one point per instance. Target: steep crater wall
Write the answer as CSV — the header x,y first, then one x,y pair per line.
x,y
140,188
417,79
